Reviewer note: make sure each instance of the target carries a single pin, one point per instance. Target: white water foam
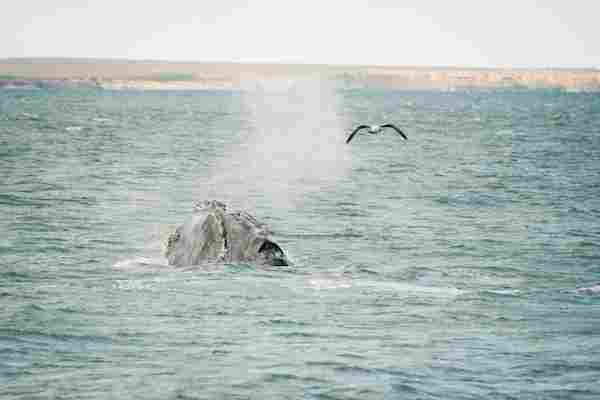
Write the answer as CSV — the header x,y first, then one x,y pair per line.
x,y
141,262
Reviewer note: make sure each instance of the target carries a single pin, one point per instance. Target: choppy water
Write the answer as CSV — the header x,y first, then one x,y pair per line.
x,y
444,267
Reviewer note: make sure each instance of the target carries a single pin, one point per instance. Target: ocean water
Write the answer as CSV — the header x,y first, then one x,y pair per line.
x,y
442,267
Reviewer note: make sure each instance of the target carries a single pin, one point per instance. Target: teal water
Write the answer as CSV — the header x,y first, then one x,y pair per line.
x,y
443,267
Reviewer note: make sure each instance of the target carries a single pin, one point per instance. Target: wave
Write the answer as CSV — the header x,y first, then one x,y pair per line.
x,y
141,262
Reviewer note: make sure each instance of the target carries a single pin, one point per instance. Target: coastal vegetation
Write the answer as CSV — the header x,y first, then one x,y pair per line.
x,y
172,77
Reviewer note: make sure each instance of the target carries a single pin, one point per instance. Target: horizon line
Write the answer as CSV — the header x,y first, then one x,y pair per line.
x,y
284,63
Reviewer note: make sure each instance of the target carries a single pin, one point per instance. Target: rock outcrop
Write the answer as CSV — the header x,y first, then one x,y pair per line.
x,y
215,235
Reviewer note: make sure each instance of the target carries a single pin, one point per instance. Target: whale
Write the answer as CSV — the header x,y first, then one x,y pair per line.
x,y
590,290
214,234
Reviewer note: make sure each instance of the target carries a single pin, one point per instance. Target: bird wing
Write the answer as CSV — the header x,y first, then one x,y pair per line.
x,y
358,128
394,127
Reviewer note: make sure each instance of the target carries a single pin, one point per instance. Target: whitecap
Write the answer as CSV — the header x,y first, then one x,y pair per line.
x,y
329,284
25,116
101,120
141,262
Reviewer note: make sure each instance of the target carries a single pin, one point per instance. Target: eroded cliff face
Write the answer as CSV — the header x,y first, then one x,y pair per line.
x,y
214,235
448,78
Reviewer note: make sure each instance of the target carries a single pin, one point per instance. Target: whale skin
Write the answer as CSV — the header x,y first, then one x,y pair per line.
x,y
590,290
213,234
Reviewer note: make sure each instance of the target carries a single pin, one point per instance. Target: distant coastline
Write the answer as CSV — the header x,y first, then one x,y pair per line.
x,y
164,75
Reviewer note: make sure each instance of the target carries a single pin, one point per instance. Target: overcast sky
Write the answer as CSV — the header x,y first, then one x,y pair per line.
x,y
507,33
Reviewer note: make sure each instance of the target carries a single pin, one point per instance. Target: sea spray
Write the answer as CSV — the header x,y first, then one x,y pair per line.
x,y
294,146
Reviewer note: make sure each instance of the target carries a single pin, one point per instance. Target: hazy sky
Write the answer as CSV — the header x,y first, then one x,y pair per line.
x,y
517,33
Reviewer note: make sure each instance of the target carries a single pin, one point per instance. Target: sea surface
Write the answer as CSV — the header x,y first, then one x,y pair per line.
x,y
442,267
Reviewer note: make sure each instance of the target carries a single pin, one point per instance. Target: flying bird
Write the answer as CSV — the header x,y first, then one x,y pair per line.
x,y
375,129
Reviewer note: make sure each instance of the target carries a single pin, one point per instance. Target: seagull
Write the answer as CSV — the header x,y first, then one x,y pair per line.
x,y
375,129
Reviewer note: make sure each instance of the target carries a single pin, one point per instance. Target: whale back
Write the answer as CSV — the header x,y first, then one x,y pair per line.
x,y
200,239
213,235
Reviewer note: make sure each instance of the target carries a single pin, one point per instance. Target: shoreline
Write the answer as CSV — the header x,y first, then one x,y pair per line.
x,y
163,75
